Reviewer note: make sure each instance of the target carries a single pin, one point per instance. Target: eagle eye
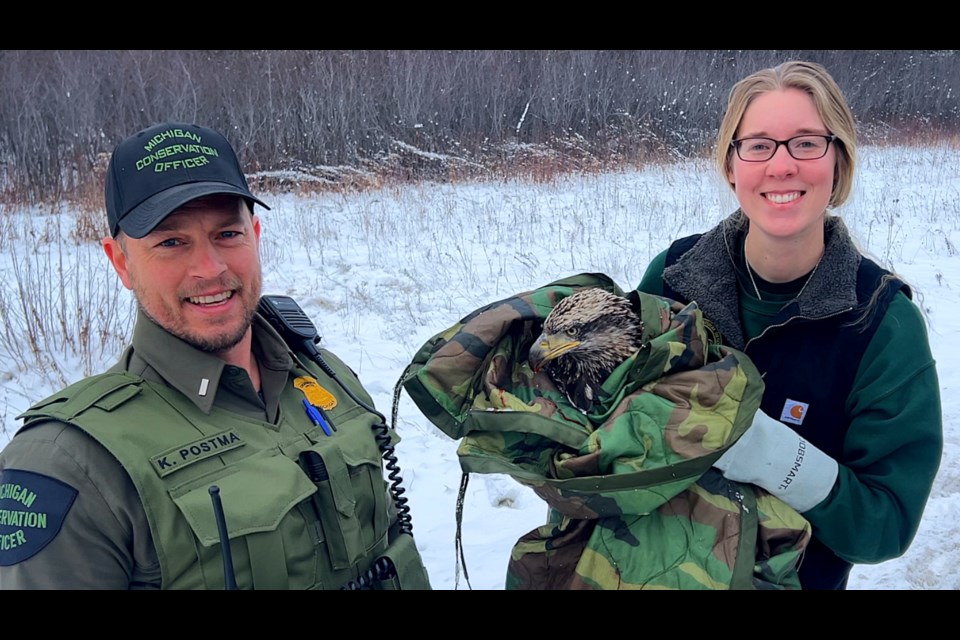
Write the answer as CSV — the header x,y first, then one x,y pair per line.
x,y
572,332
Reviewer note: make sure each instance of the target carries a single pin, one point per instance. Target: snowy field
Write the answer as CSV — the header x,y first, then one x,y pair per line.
x,y
381,272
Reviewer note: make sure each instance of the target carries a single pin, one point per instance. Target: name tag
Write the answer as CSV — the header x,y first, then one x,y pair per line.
x,y
183,456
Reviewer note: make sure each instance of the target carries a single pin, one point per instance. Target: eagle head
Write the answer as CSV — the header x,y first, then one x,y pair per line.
x,y
585,337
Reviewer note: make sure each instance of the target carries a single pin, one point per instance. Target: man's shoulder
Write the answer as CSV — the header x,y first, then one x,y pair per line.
x,y
52,449
46,437
54,432
82,394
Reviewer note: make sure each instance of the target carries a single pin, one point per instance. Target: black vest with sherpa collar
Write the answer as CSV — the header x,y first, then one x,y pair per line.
x,y
811,352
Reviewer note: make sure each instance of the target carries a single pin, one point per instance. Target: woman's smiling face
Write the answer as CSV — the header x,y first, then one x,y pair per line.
x,y
783,197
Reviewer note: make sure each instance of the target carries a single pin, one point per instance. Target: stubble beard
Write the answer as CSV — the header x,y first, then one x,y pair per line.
x,y
217,343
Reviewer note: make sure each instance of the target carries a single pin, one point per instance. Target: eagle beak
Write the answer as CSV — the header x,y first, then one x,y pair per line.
x,y
546,348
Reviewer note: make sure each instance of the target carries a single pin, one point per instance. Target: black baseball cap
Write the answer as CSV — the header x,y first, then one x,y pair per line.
x,y
158,169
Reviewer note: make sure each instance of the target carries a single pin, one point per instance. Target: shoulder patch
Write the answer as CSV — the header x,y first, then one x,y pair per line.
x,y
32,510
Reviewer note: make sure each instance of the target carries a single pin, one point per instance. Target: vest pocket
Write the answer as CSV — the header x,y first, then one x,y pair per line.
x,y
271,544
350,499
410,572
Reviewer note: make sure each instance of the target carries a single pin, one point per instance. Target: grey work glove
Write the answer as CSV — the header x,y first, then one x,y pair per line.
x,y
773,456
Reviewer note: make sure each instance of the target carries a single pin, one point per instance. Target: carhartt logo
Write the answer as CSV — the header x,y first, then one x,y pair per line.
x,y
794,412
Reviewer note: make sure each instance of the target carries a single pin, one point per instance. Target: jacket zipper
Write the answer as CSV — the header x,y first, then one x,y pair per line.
x,y
789,320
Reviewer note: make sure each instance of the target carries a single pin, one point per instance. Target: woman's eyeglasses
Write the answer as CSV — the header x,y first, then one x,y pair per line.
x,y
805,147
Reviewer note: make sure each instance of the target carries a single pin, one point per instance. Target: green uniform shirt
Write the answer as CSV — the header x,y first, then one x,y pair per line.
x,y
105,541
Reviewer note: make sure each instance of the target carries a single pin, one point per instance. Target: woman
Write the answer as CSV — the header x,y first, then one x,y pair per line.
x,y
849,431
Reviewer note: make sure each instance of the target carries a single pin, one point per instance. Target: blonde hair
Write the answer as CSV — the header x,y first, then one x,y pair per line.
x,y
814,80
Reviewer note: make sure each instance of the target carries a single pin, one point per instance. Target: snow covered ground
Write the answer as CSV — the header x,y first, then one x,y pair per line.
x,y
381,272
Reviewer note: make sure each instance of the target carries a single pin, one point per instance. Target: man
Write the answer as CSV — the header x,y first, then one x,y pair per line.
x,y
116,481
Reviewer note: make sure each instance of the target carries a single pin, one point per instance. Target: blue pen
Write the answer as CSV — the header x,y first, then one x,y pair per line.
x,y
316,417
325,417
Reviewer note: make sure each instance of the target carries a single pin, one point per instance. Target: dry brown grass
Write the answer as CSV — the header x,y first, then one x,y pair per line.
x,y
510,161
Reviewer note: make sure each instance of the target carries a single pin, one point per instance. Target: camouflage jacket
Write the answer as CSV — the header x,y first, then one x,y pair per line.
x,y
634,500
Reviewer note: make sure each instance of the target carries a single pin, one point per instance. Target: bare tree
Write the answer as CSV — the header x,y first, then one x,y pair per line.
x,y
61,112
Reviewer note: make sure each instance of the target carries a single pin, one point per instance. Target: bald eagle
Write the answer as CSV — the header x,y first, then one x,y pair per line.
x,y
585,337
